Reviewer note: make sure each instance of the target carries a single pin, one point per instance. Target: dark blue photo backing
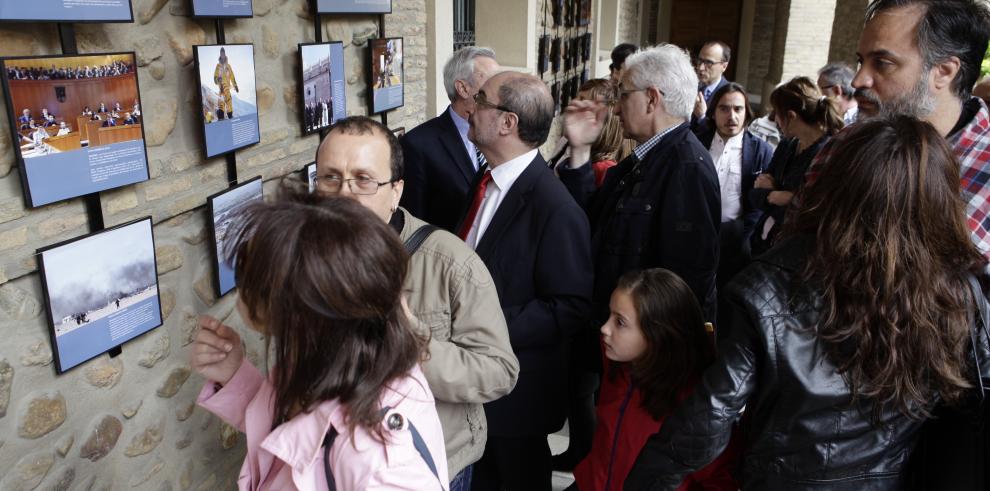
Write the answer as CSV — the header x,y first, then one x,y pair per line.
x,y
222,8
67,10
354,6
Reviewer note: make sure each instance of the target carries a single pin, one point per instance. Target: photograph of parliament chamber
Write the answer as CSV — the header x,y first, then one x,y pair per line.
x,y
77,122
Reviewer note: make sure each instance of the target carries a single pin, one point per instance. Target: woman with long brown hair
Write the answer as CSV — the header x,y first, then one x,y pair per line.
x,y
806,119
345,405
843,338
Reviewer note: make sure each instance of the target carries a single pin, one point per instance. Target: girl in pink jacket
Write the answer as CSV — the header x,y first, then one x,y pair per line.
x,y
346,406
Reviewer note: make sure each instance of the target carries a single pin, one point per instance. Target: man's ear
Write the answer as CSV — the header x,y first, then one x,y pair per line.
x,y
944,72
462,89
509,124
653,102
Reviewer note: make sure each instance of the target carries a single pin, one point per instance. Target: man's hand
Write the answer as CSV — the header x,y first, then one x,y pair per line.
x,y
216,352
764,181
700,106
583,123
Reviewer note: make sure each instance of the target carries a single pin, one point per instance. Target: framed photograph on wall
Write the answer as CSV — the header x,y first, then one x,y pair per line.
x,y
222,8
584,16
542,63
323,100
77,123
228,100
101,290
557,12
224,207
309,173
387,74
555,55
353,6
67,11
555,93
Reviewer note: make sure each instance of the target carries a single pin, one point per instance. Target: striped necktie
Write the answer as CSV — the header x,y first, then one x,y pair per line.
x,y
479,159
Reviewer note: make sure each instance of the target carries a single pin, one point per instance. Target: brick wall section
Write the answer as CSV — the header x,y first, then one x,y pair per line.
x,y
762,44
849,15
809,31
629,21
130,422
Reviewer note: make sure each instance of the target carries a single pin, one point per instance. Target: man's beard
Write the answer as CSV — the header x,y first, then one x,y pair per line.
x,y
919,103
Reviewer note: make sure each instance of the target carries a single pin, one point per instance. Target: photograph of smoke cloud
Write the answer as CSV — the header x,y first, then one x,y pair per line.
x,y
101,290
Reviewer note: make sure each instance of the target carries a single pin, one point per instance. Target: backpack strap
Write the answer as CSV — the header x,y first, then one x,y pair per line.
x,y
418,237
418,442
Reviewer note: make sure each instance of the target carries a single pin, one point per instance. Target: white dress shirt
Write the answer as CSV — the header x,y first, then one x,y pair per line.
x,y
727,155
503,177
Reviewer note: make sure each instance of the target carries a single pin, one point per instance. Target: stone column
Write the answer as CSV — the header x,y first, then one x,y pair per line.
x,y
440,39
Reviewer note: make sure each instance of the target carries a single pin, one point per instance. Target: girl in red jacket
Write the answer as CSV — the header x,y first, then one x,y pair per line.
x,y
656,346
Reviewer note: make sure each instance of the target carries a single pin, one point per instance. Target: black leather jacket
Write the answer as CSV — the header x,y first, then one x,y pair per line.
x,y
800,430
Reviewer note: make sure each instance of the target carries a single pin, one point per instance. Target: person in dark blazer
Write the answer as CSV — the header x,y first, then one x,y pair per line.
x,y
739,157
710,65
659,207
534,239
441,161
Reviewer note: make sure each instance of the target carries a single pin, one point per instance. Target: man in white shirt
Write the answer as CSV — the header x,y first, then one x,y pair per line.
x,y
536,242
739,157
63,129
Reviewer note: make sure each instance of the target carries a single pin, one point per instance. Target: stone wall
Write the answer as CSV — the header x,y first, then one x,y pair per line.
x,y
629,21
850,17
762,44
130,422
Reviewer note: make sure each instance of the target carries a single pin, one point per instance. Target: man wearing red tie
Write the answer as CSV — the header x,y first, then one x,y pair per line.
x,y
535,241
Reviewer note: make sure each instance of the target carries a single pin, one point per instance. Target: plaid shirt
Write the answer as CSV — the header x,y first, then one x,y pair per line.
x,y
972,148
971,145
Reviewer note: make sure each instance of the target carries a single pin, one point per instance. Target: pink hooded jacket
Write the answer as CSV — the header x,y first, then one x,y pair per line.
x,y
291,455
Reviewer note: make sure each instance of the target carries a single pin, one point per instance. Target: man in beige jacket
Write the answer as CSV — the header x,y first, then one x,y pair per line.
x,y
448,288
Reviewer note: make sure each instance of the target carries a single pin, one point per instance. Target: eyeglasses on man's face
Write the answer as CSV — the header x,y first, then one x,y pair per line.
x,y
699,62
481,100
365,185
624,93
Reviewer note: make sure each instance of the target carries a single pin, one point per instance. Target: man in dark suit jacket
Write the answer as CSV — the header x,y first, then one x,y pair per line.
x,y
659,207
739,157
710,64
535,241
441,161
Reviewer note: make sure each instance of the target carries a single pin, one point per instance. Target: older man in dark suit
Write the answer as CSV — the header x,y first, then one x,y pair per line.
x,y
441,161
535,241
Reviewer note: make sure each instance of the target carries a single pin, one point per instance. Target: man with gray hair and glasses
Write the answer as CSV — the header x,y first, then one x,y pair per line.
x,y
835,82
441,162
660,207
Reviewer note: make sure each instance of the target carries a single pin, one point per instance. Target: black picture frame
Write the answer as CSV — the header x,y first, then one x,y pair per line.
x,y
219,283
555,55
350,7
557,12
584,14
307,130
309,175
375,47
10,4
64,363
555,94
32,198
199,14
204,122
542,63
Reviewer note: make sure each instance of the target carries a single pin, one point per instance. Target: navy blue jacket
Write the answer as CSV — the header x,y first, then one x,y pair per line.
x,y
537,248
663,213
438,172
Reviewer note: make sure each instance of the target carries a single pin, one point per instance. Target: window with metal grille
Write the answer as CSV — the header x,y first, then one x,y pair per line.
x,y
463,23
